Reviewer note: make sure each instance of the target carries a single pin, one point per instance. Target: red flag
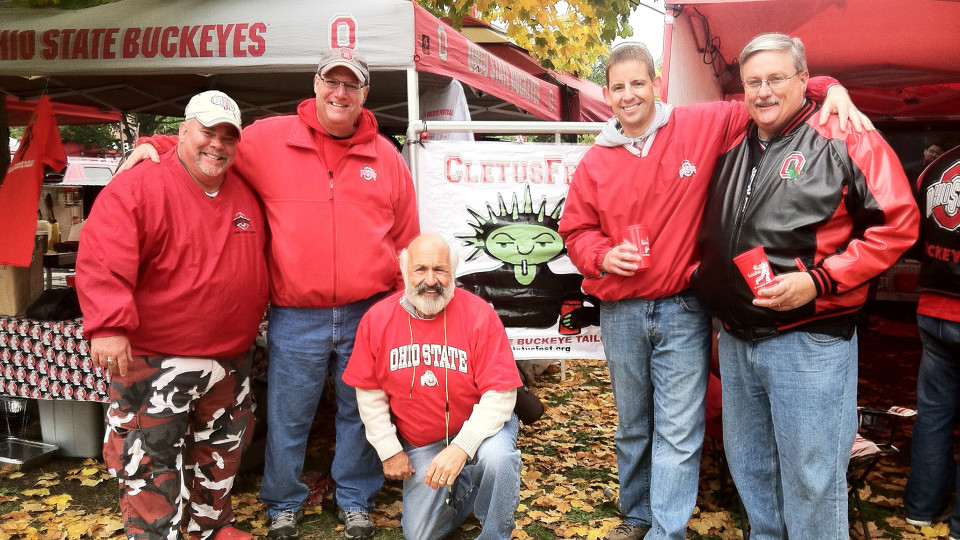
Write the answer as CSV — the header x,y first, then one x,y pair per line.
x,y
20,190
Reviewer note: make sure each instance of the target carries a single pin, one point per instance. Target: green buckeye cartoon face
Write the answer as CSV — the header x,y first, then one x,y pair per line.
x,y
524,246
521,234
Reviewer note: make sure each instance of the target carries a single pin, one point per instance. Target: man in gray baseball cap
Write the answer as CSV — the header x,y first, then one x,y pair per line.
x,y
347,58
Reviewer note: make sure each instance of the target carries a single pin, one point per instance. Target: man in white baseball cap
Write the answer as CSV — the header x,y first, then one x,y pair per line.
x,y
172,281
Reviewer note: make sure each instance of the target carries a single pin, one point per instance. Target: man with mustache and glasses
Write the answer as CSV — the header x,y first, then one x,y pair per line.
x,y
173,283
832,210
651,166
436,384
340,203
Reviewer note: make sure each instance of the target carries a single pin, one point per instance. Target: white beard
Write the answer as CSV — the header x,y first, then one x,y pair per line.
x,y
429,306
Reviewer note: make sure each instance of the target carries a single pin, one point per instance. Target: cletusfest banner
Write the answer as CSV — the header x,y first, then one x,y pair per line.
x,y
499,204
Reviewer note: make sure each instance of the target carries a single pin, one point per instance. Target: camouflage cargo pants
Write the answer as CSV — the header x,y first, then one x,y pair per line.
x,y
176,428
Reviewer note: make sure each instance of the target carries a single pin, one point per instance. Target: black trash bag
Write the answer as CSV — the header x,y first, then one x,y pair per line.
x,y
529,408
58,304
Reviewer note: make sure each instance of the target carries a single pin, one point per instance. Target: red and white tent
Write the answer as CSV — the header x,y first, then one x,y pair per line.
x,y
900,60
151,56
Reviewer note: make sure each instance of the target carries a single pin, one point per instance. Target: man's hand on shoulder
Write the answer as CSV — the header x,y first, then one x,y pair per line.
x,y
838,101
140,153
398,467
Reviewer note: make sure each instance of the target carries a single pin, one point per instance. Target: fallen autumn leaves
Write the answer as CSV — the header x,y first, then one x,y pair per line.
x,y
568,456
41,515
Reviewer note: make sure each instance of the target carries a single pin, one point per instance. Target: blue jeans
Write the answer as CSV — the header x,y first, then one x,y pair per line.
x,y
303,342
488,486
932,469
789,418
658,353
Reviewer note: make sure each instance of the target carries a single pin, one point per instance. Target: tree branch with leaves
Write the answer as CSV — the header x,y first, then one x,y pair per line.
x,y
568,35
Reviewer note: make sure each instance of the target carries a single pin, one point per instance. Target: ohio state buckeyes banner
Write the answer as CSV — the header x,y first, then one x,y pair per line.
x,y
499,204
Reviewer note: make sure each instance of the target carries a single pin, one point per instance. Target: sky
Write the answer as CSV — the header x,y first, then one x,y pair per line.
x,y
647,27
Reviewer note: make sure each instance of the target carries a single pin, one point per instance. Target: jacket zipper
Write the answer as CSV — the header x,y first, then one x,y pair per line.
x,y
333,236
738,223
741,213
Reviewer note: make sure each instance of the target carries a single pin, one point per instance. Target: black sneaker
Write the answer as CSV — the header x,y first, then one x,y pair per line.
x,y
283,526
357,525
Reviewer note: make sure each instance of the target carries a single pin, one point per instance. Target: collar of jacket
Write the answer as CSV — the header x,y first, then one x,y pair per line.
x,y
798,119
302,132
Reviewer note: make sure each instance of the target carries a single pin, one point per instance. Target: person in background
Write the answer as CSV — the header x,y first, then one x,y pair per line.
x,y
340,205
436,382
932,468
650,166
832,210
172,281
931,152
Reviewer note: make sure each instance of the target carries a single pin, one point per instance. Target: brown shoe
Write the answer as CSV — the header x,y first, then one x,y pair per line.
x,y
626,531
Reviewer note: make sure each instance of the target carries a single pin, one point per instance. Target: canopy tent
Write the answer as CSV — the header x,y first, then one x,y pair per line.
x,y
150,56
900,60
19,113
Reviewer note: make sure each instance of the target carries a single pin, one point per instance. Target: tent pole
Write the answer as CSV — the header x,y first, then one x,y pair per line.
x,y
4,139
668,19
413,115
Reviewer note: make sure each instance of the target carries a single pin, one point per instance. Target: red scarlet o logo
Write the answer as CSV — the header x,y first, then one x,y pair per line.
x,y
442,42
343,32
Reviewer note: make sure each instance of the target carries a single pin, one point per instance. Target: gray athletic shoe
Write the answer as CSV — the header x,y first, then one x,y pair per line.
x,y
283,526
626,531
357,525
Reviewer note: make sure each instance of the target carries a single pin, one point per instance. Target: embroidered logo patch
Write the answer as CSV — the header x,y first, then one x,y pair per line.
x,y
241,222
687,169
943,198
792,167
367,173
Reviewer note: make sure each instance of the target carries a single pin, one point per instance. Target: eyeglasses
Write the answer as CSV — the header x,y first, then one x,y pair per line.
x,y
334,84
775,83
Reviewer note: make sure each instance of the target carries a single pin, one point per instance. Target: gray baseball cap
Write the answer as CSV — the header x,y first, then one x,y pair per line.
x,y
347,58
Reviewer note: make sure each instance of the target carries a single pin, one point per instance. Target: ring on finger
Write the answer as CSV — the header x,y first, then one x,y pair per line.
x,y
109,360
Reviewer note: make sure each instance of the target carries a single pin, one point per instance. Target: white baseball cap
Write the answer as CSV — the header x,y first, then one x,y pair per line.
x,y
214,107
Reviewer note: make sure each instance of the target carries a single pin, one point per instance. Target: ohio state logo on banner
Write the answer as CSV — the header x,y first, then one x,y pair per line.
x,y
943,198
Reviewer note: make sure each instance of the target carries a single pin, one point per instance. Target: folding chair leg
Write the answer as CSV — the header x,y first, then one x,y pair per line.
x,y
863,519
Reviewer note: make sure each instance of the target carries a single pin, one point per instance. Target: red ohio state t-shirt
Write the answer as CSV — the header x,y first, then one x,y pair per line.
x,y
464,349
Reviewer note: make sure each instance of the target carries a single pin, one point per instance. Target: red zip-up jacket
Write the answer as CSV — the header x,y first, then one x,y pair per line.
x,y
335,230
664,190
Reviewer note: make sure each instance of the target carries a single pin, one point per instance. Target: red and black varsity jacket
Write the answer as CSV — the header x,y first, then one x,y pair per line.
x,y
834,204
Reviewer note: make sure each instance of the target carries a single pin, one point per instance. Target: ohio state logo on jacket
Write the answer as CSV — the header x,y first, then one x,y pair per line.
x,y
942,198
940,227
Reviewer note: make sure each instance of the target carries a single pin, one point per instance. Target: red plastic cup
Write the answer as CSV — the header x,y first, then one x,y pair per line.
x,y
755,267
639,236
